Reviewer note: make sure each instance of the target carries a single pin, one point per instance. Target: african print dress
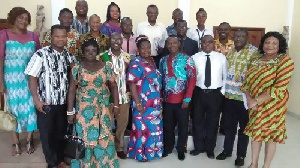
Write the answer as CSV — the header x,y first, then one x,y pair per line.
x,y
93,118
19,99
267,124
146,138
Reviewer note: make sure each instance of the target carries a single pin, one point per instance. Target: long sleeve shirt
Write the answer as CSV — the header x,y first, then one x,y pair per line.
x,y
178,78
238,63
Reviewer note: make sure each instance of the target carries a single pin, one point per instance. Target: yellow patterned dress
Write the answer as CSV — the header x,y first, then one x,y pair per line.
x,y
267,124
93,118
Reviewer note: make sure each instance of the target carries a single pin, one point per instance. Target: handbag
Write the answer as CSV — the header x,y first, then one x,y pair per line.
x,y
8,121
75,148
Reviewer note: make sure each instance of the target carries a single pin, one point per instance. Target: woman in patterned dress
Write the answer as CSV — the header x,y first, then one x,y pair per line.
x,y
266,91
17,45
95,81
146,138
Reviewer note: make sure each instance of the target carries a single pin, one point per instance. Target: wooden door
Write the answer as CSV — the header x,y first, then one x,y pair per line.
x,y
254,34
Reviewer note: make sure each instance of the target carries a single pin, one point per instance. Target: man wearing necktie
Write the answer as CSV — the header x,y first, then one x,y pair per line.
x,y
211,70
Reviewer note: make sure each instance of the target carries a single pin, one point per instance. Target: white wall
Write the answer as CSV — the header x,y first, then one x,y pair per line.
x,y
294,102
31,6
270,14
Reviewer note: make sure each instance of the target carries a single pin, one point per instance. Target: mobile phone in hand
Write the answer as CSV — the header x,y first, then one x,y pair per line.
x,y
46,108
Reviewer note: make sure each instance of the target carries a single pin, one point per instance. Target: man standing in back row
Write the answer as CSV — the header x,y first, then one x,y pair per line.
x,y
155,31
81,20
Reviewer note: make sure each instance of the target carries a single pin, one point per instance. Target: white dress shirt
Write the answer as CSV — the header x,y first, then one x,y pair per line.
x,y
156,34
218,70
196,34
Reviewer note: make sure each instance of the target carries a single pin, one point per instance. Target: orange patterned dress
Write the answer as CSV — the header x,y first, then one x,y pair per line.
x,y
267,124
93,118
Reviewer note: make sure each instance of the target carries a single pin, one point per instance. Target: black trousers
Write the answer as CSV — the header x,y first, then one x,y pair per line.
x,y
234,114
206,114
221,126
52,127
174,115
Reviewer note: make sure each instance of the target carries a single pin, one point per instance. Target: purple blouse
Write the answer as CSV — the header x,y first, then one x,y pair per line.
x,y
108,28
7,34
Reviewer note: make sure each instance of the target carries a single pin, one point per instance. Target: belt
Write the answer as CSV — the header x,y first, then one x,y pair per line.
x,y
210,90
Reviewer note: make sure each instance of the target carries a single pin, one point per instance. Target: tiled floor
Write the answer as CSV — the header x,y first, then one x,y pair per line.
x,y
287,155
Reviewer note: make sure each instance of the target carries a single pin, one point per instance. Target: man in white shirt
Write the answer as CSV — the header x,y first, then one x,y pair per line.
x,y
155,31
200,30
207,98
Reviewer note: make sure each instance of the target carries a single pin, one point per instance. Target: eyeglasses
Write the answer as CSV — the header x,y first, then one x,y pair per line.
x,y
119,41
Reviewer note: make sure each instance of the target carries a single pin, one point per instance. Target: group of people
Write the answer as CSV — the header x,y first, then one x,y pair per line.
x,y
87,73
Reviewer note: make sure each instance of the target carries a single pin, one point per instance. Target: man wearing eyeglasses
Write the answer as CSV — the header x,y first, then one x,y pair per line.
x,y
207,97
120,61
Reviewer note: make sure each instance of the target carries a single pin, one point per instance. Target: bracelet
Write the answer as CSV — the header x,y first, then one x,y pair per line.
x,y
138,104
70,113
116,107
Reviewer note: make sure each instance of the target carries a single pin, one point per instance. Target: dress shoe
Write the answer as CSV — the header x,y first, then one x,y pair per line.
x,y
121,155
210,155
181,155
223,156
166,153
196,152
239,161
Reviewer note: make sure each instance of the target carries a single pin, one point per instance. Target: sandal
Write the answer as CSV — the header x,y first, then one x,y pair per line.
x,y
16,149
30,147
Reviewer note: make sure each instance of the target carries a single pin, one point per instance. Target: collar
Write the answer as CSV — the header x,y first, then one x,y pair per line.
x,y
52,50
229,42
246,47
204,53
200,30
172,26
100,34
131,37
86,18
110,52
182,38
148,24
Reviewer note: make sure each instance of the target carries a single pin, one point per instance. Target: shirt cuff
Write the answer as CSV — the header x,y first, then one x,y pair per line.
x,y
187,100
223,90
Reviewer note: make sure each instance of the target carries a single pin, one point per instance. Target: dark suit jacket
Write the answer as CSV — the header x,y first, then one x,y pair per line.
x,y
190,47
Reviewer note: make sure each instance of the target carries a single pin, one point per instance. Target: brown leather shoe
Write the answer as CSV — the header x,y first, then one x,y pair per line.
x,y
121,155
